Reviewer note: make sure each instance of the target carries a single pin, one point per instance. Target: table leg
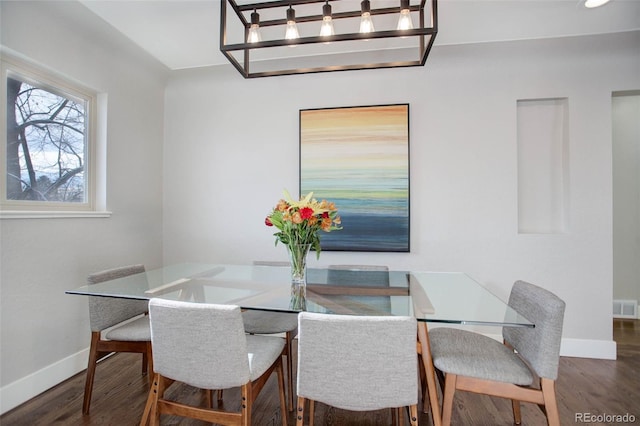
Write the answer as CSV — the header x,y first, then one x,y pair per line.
x,y
423,338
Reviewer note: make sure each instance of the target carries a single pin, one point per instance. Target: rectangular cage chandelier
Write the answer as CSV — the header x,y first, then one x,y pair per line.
x,y
283,37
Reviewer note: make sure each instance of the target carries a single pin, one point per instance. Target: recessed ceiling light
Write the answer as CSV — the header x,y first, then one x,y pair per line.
x,y
594,3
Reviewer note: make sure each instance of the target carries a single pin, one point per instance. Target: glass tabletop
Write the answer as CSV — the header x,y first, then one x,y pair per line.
x,y
429,296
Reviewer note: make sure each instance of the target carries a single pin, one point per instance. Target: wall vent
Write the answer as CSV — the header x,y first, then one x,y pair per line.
x,y
625,309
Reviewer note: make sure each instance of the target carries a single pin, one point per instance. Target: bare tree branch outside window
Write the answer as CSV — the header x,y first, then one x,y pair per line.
x,y
46,145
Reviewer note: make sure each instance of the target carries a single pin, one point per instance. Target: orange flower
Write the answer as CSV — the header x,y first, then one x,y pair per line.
x,y
296,218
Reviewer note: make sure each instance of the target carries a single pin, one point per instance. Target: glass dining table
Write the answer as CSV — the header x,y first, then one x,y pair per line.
x,y
431,297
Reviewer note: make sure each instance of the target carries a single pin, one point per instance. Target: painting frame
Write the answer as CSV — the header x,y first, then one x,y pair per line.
x,y
358,158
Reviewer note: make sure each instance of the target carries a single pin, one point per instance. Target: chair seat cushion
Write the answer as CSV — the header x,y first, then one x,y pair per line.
x,y
472,354
137,330
263,351
262,322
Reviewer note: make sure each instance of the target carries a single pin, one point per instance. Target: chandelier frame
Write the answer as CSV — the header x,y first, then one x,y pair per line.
x,y
244,62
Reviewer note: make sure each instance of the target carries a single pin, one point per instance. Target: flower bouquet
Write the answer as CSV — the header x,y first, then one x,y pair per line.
x,y
299,224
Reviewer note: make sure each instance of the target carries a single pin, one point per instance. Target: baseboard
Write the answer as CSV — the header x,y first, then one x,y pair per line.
x,y
22,390
583,348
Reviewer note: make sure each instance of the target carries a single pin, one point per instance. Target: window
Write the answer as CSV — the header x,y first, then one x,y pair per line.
x,y
48,140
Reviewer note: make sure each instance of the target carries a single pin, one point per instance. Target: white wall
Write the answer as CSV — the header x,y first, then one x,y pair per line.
x,y
231,146
44,332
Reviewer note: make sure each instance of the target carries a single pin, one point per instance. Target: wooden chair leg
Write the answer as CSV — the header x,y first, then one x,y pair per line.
x,y
153,391
209,396
551,405
289,352
423,338
423,388
517,416
447,398
247,398
91,371
312,411
413,415
300,412
157,393
149,358
281,392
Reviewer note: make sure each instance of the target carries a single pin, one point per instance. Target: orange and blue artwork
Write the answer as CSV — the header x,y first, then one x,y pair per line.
x,y
358,158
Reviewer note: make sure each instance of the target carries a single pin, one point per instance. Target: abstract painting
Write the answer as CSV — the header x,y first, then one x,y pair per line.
x,y
358,158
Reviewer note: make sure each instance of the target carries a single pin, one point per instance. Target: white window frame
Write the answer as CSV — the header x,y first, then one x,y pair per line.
x,y
12,64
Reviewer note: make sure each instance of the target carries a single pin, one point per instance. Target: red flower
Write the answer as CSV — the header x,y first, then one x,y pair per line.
x,y
325,215
306,212
267,221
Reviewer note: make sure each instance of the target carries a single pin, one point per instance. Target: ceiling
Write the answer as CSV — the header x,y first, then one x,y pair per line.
x,y
185,33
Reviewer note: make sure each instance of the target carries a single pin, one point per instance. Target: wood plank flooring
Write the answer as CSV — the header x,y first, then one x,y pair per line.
x,y
584,386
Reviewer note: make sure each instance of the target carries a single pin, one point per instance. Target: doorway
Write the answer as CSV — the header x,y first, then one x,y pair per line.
x,y
626,215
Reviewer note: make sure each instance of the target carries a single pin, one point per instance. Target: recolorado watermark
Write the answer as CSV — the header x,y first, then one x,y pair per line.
x,y
604,418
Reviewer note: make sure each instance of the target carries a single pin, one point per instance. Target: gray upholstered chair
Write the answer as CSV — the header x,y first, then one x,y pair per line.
x,y
205,346
476,363
111,330
357,363
262,322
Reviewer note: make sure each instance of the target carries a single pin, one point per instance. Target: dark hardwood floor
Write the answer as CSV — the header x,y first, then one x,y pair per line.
x,y
590,386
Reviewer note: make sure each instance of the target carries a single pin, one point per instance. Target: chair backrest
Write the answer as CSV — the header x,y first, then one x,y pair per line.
x,y
357,363
203,345
540,345
105,312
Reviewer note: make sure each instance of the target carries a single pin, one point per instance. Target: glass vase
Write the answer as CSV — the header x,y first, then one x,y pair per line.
x,y
298,259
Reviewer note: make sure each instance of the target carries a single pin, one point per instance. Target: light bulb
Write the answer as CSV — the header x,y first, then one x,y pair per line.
x,y
327,22
254,34
405,23
254,30
291,32
327,27
366,24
